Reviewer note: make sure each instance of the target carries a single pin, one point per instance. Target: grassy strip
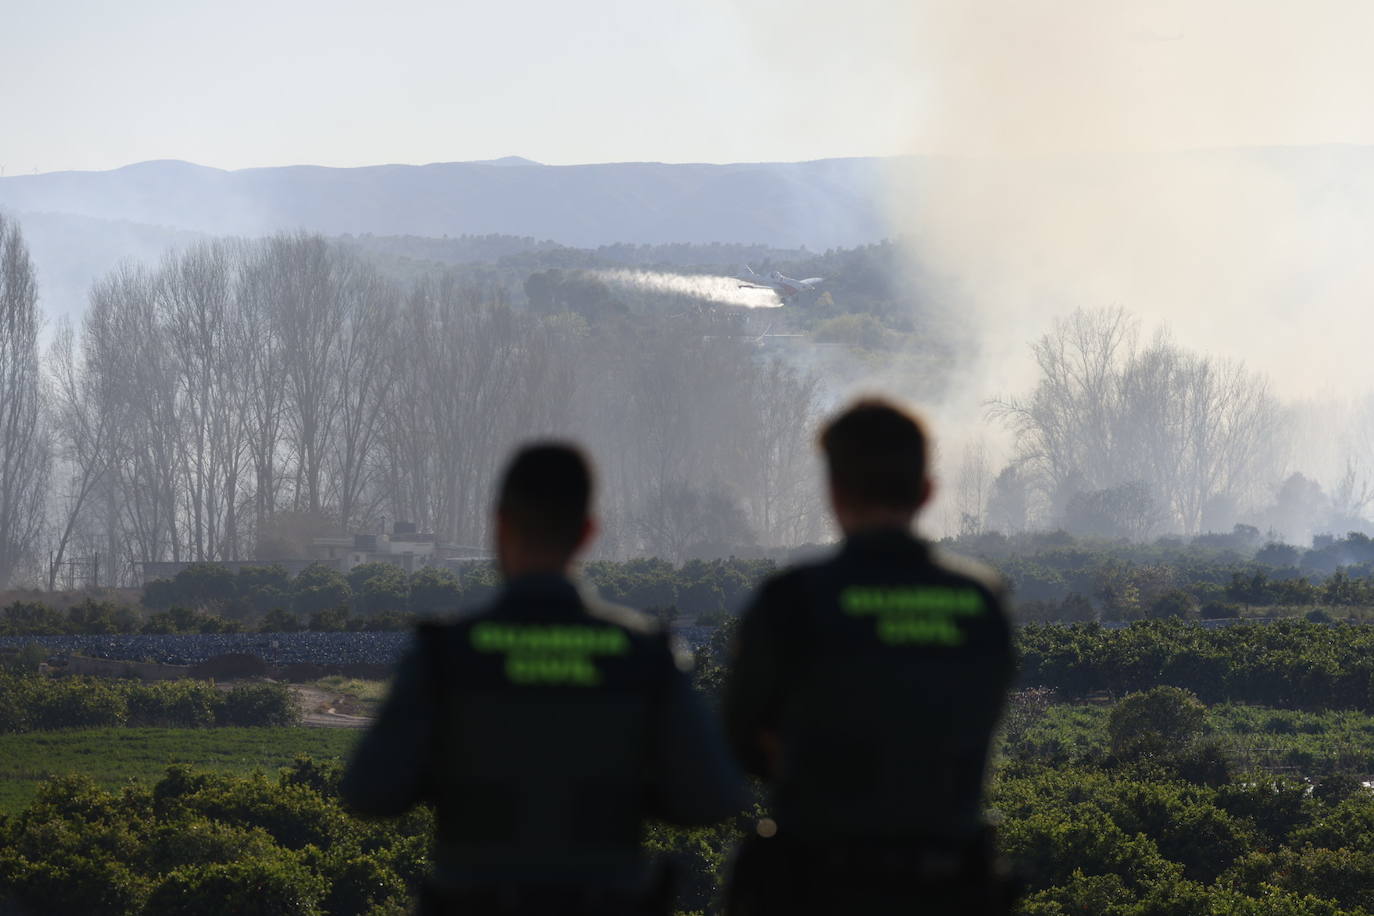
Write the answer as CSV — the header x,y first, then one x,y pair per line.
x,y
114,756
359,697
354,687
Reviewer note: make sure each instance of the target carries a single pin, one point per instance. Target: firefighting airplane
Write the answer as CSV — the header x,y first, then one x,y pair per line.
x,y
785,287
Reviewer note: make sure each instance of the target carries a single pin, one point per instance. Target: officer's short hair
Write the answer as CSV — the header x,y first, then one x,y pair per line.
x,y
546,494
876,452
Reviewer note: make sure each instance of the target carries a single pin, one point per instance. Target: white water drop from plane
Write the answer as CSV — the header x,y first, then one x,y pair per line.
x,y
717,289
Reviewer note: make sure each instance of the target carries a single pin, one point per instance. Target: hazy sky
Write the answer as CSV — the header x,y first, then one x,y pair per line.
x,y
252,83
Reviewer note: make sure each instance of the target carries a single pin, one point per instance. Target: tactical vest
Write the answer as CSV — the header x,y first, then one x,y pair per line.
x,y
544,744
897,670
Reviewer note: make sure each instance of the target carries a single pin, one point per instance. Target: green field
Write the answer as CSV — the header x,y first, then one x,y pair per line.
x,y
114,756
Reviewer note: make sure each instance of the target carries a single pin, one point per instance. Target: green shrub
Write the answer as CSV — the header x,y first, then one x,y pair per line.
x,y
317,588
77,884
278,886
1158,721
434,591
1220,610
294,816
173,704
173,620
16,702
1174,603
361,885
77,703
97,617
206,586
169,846
330,620
279,620
379,588
262,589
383,623
32,618
24,660
315,775
258,704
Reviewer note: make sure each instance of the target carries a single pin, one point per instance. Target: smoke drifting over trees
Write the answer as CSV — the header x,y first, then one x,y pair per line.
x,y
238,398
1124,440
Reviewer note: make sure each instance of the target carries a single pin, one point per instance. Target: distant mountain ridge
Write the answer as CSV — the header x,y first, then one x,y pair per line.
x,y
81,224
821,204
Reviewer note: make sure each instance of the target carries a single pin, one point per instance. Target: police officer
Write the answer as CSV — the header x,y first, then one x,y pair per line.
x,y
544,729
864,690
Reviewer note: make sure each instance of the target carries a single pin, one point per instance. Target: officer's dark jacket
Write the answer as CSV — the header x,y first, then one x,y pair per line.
x,y
545,730
881,674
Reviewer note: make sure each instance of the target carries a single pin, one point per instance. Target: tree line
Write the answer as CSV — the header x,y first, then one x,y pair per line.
x,y
211,598
1054,577
242,396
1124,437
1057,577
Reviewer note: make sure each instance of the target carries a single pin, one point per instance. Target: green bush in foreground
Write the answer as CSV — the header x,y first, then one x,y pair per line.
x,y
268,886
1154,806
200,843
1096,819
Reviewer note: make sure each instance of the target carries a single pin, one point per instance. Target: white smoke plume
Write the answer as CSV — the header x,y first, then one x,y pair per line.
x,y
1182,160
720,290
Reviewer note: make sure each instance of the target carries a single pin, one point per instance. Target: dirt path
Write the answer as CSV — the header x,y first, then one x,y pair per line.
x,y
321,709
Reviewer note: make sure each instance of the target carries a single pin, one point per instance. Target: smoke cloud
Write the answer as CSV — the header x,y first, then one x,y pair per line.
x,y
1189,162
1123,154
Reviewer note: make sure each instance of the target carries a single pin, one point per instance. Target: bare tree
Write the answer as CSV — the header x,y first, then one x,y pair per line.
x,y
285,381
1063,430
1352,494
261,369
309,316
367,365
196,309
83,425
475,379
24,446
128,350
1188,428
409,432
972,487
1230,419
786,492
1009,504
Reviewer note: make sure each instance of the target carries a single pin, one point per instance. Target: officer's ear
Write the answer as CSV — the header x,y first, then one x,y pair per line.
x,y
839,502
504,545
589,532
927,492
